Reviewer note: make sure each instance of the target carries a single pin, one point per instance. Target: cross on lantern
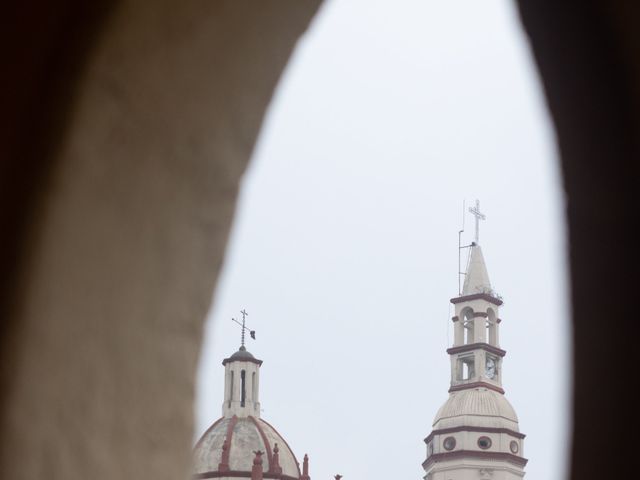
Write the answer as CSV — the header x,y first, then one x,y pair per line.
x,y
252,333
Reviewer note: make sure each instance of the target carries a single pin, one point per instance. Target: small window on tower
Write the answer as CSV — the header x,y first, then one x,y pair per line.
x,y
466,368
484,443
449,443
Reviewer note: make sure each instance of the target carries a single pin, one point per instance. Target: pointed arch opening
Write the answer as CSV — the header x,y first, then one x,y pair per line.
x,y
468,329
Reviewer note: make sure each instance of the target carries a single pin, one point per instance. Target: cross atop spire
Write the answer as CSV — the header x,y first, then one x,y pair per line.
x,y
475,211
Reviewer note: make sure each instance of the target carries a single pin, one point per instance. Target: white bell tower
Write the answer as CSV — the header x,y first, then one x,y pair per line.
x,y
475,433
476,356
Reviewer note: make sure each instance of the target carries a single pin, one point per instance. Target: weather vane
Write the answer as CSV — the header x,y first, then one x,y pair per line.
x,y
475,211
252,333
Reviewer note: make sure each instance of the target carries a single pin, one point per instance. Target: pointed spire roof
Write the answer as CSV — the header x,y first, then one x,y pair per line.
x,y
477,278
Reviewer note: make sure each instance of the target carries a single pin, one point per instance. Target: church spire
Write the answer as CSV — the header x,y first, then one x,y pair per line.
x,y
476,279
476,356
475,433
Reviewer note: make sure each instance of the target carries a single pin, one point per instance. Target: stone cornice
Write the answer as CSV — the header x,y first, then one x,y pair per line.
x,y
475,346
475,454
239,474
468,386
246,359
444,431
477,296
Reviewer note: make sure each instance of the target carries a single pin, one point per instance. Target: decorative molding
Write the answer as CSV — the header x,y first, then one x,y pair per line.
x,y
223,466
250,360
239,474
468,386
256,469
486,473
455,318
445,431
477,296
476,454
474,346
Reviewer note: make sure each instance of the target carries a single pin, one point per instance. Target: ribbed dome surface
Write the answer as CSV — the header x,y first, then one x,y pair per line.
x,y
477,407
247,435
242,355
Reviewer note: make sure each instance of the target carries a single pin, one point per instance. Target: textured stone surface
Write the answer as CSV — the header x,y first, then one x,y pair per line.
x,y
476,407
130,238
64,414
245,440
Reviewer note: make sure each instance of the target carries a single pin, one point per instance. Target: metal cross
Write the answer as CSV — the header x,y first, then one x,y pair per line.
x,y
244,327
244,318
475,211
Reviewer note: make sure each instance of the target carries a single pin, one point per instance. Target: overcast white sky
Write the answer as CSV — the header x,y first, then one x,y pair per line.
x,y
344,248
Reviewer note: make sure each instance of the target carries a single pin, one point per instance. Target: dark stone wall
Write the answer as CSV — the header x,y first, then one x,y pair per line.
x,y
588,55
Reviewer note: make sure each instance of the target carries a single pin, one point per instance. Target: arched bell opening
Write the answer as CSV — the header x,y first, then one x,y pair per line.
x,y
491,333
467,319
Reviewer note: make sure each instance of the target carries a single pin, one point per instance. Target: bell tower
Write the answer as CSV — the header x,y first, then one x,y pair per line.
x,y
475,434
476,356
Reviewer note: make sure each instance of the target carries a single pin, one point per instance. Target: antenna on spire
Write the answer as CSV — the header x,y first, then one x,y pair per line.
x,y
460,232
252,333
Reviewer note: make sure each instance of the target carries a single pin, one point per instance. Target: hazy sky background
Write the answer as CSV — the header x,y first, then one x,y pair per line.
x,y
344,247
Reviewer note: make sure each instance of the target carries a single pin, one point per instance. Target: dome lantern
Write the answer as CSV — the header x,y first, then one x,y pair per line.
x,y
241,444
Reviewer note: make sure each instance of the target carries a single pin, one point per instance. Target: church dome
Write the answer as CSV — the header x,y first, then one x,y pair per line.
x,y
230,445
476,407
242,355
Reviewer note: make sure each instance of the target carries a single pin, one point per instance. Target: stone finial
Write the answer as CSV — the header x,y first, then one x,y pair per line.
x,y
256,470
274,466
305,468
